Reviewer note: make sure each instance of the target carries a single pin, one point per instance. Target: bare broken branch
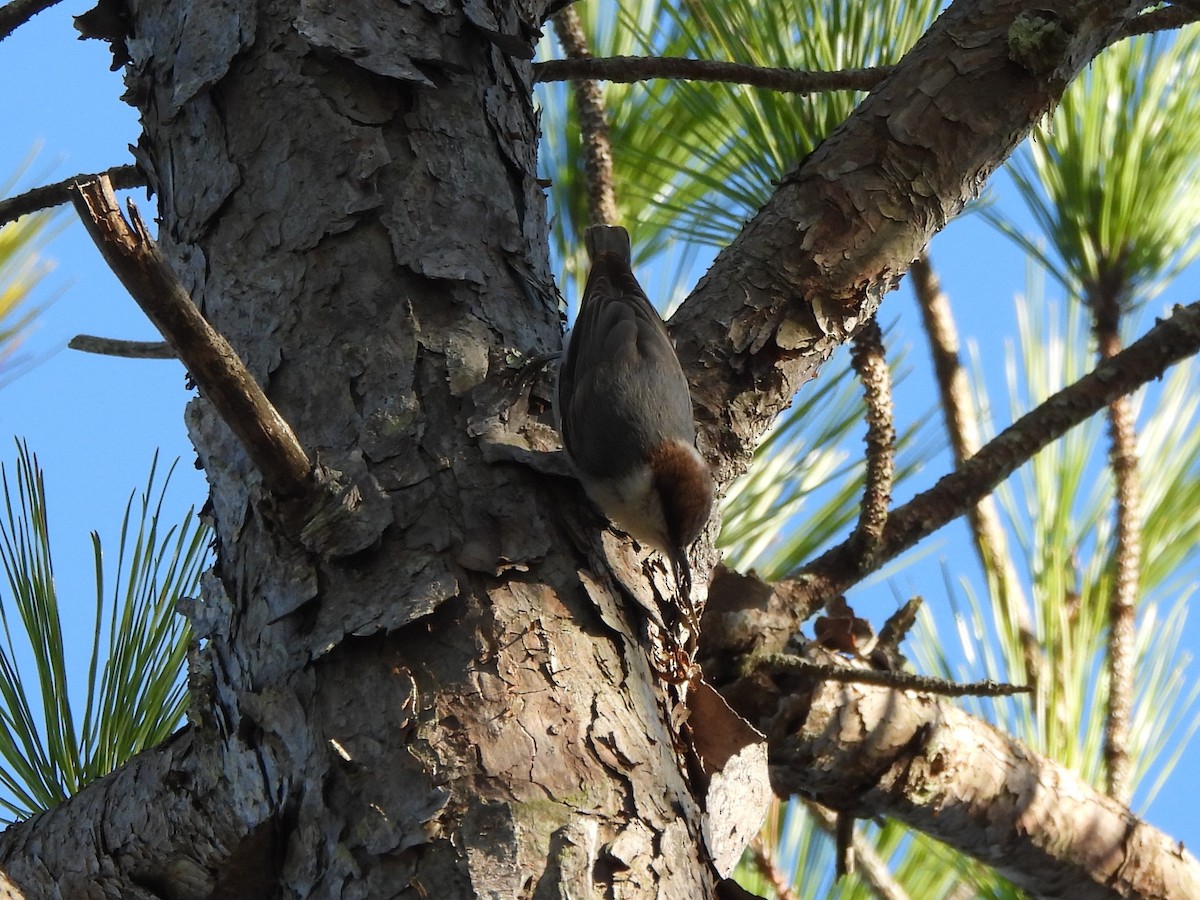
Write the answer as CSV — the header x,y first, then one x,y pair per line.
x,y
57,194
220,374
90,343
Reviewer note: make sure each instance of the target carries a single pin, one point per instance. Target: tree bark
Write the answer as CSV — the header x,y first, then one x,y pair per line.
x,y
1108,299
922,761
844,226
466,706
351,198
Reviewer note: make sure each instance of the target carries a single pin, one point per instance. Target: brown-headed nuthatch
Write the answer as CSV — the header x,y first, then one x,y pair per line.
x,y
625,413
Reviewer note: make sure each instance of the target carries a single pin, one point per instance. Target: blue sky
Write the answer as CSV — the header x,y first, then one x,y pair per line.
x,y
95,422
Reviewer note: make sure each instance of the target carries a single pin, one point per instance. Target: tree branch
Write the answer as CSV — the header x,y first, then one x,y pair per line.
x,y
90,343
869,361
220,374
958,410
872,751
593,124
15,14
140,825
1104,299
57,194
816,260
629,69
1168,342
901,681
1127,564
1166,19
936,769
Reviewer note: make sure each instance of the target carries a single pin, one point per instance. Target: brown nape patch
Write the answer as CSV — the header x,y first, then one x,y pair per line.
x,y
685,485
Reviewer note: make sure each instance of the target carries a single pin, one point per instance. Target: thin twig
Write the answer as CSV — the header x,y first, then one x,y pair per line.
x,y
843,838
1104,300
870,362
628,69
15,14
958,409
57,194
903,681
1168,342
90,343
593,123
222,377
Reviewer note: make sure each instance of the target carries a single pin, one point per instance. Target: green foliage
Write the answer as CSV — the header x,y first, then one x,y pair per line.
x,y
1113,182
135,693
804,853
729,145
804,462
803,490
1056,509
20,269
1113,179
693,160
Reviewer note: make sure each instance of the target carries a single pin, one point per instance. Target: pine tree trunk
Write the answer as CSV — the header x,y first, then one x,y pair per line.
x,y
349,192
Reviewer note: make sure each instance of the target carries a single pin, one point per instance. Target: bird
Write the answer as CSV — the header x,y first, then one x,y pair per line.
x,y
624,410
